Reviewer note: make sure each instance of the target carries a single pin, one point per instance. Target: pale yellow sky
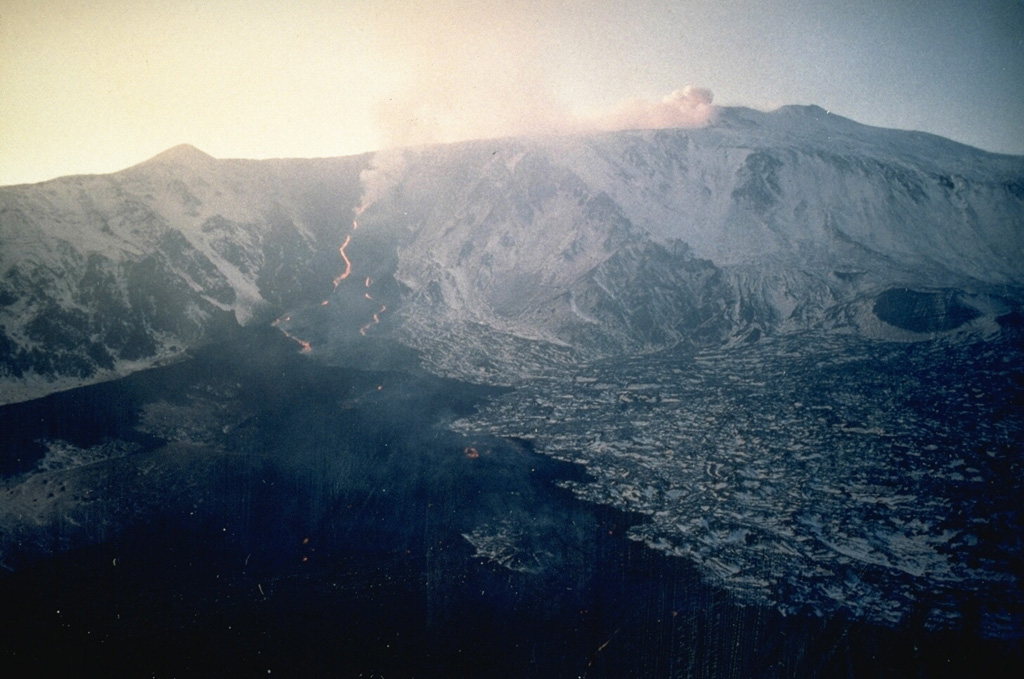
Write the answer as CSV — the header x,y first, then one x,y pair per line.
x,y
98,85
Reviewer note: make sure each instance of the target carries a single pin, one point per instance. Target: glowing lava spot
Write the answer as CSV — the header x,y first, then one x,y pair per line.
x,y
376,318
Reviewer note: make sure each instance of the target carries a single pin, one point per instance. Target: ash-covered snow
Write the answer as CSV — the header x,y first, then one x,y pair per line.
x,y
820,471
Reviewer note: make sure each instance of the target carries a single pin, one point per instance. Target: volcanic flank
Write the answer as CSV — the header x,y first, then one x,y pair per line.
x,y
787,345
594,245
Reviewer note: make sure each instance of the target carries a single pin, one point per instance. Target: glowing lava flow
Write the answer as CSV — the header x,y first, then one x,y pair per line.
x,y
348,265
306,346
376,318
345,273
348,271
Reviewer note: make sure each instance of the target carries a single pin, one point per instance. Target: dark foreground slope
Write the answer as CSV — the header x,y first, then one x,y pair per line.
x,y
243,513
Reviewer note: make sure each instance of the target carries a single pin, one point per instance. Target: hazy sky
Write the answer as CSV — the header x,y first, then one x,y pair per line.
x,y
98,85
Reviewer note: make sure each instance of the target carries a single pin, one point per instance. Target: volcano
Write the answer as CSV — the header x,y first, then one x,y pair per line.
x,y
777,360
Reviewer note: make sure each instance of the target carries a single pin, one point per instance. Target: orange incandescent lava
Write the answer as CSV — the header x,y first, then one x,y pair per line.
x,y
306,346
345,273
348,265
376,318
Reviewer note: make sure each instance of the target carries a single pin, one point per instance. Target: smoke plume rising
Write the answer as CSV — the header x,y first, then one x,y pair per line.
x,y
522,109
386,169
687,107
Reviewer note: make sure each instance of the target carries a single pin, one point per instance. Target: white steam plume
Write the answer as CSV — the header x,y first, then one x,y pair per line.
x,y
687,107
405,124
387,167
423,117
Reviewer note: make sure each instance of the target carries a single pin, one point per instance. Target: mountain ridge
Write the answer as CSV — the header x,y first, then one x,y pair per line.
x,y
757,224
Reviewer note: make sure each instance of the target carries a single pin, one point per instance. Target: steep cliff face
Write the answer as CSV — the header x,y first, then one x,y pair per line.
x,y
585,246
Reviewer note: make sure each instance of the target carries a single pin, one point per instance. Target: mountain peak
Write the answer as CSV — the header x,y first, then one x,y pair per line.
x,y
808,110
182,154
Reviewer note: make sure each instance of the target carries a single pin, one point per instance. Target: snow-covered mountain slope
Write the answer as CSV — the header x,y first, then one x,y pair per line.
x,y
800,180
103,275
575,246
761,223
